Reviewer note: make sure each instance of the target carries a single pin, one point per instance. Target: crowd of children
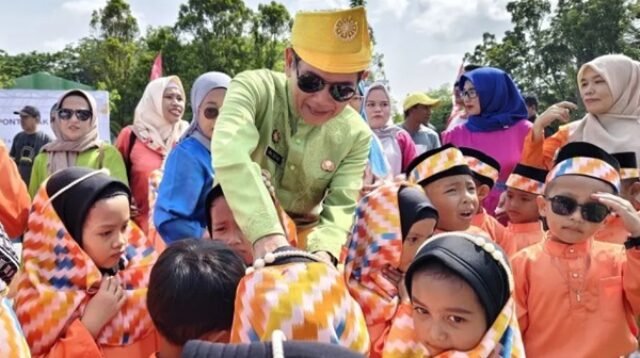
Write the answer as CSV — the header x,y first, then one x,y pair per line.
x,y
427,270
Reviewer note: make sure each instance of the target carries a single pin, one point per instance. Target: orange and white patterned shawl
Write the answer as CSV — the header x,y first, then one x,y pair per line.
x,y
306,301
12,339
59,278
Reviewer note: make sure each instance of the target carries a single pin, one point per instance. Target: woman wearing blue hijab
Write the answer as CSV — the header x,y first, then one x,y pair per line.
x,y
497,124
188,174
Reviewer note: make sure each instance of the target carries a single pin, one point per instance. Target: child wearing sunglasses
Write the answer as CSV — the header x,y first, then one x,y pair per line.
x,y
299,127
485,171
75,126
525,228
614,230
578,297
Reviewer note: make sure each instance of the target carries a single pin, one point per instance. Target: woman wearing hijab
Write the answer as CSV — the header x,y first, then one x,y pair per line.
x,y
180,210
497,123
85,270
397,144
157,126
75,126
609,87
391,223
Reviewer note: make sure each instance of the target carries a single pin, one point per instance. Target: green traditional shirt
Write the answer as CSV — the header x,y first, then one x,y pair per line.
x,y
316,171
111,159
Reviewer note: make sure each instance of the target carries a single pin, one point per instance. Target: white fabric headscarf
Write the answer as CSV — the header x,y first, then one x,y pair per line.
x,y
618,129
63,153
201,88
149,123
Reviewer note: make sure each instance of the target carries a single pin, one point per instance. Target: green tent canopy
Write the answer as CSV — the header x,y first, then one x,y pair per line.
x,y
45,81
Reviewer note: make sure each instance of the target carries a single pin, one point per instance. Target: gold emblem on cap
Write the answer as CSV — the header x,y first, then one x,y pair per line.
x,y
275,136
328,166
346,28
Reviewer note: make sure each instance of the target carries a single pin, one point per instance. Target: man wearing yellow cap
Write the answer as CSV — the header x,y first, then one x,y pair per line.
x,y
298,126
417,113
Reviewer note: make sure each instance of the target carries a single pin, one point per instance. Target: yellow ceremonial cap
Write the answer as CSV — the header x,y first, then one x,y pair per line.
x,y
334,41
417,98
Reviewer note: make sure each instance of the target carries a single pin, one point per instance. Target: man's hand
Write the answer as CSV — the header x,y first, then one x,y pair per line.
x,y
268,244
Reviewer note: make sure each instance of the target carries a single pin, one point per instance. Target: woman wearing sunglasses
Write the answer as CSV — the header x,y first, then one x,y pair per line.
x,y
157,126
578,297
496,123
298,126
75,126
180,210
609,87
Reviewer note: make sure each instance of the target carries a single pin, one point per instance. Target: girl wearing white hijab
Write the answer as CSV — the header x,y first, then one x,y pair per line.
x,y
180,210
397,144
156,128
75,126
610,89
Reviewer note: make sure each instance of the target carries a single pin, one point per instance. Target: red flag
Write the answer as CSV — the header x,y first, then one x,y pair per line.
x,y
156,69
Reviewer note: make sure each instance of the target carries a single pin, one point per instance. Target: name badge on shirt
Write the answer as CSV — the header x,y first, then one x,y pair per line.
x,y
273,155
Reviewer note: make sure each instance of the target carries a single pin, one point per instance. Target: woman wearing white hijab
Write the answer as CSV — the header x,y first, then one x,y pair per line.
x,y
180,210
610,89
75,126
156,128
397,144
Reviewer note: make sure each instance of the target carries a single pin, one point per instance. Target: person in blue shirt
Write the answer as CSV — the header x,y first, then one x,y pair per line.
x,y
188,174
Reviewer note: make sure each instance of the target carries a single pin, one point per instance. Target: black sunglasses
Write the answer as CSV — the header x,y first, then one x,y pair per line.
x,y
81,114
211,113
592,211
309,82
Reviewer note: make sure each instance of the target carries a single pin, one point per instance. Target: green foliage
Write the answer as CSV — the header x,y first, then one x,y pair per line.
x,y
440,114
209,35
545,49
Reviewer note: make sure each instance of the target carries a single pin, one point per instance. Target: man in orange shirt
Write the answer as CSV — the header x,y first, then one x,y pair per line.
x,y
524,186
14,197
614,230
578,297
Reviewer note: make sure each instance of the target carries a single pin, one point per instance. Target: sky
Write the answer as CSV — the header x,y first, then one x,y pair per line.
x,y
423,41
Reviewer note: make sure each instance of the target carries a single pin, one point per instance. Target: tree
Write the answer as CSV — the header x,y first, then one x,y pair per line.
x,y
545,49
115,20
440,114
273,22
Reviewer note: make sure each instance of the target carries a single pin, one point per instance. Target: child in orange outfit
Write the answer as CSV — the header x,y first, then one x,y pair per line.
x,y
614,230
447,180
578,297
525,228
192,289
392,221
83,285
485,172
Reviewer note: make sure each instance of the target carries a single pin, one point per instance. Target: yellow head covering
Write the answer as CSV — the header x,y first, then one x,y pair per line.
x,y
334,41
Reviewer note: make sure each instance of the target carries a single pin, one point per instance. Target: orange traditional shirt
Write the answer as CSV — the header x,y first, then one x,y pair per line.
x,y
577,300
524,235
540,154
496,231
613,232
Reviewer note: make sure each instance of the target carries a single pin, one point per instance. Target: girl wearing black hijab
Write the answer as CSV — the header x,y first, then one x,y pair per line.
x,y
85,271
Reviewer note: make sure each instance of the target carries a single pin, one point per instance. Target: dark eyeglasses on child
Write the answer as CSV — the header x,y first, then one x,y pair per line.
x,y
592,211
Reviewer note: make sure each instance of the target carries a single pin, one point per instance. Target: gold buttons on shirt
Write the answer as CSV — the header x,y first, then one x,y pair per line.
x,y
571,250
575,275
292,167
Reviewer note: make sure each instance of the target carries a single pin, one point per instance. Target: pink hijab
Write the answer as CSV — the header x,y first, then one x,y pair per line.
x,y
617,130
63,153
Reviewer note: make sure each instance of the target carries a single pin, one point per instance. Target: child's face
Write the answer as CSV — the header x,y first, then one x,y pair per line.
x,y
226,229
418,234
103,233
482,191
455,199
571,228
447,313
521,207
